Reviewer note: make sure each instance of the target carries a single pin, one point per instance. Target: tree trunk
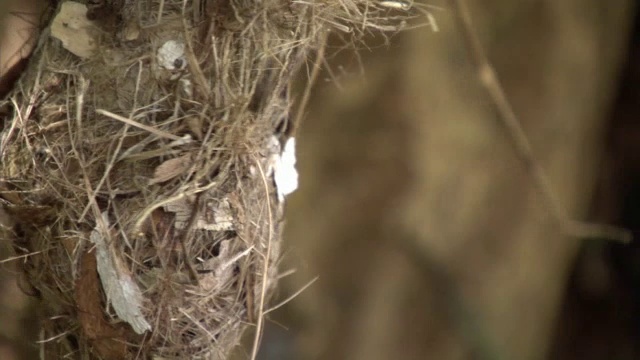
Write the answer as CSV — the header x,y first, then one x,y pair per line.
x,y
429,237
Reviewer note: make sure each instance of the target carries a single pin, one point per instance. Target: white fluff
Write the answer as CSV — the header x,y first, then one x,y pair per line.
x,y
285,174
169,52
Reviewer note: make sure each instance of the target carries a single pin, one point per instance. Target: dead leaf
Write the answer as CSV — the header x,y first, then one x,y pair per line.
x,y
195,125
219,272
74,30
132,31
105,337
216,215
122,291
170,169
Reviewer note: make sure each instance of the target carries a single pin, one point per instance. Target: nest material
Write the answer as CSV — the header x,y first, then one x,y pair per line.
x,y
138,160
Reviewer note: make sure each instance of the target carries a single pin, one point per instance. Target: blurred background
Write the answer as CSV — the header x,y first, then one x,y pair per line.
x,y
428,236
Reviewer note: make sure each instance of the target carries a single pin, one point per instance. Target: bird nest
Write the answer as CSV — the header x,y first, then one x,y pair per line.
x,y
146,153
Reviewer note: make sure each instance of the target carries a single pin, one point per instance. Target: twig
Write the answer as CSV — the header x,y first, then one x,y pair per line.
x,y
18,257
509,120
150,129
292,296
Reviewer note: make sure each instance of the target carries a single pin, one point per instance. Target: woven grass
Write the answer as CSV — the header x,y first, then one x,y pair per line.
x,y
138,155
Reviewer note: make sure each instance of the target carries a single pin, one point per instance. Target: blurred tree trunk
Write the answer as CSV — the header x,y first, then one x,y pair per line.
x,y
19,328
414,155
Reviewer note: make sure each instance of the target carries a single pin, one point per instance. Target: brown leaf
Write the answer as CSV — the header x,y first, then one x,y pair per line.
x,y
107,339
171,168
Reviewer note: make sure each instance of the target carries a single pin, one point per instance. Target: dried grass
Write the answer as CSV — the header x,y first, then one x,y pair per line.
x,y
142,185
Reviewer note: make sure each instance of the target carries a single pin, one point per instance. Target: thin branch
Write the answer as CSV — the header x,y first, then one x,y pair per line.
x,y
522,146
